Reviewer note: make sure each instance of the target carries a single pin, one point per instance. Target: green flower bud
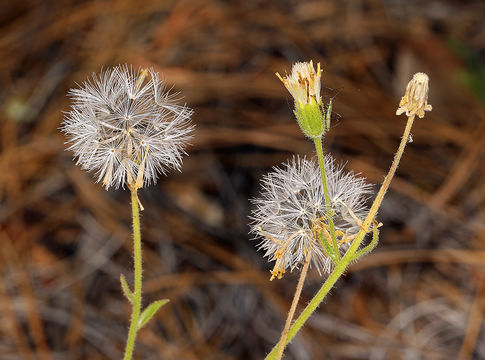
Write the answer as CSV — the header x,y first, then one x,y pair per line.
x,y
311,119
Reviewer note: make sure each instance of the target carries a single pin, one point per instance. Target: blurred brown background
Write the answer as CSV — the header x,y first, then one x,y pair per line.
x,y
64,240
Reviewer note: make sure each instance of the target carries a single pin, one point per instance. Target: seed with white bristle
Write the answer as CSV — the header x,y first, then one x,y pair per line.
x,y
124,126
291,212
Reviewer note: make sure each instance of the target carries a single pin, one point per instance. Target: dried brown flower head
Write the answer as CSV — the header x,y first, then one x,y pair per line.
x,y
415,100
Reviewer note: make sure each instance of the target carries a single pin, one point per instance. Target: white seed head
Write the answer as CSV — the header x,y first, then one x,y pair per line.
x,y
126,127
291,211
415,99
304,83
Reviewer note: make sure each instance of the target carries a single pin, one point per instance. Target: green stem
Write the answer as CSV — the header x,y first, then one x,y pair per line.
x,y
294,303
387,180
328,205
314,303
135,315
341,266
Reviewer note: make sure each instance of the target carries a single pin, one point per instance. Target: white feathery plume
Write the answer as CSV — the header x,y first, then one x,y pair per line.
x,y
291,211
126,127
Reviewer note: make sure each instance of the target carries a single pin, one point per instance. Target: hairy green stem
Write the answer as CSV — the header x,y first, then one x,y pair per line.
x,y
294,303
341,266
328,205
387,180
135,315
310,308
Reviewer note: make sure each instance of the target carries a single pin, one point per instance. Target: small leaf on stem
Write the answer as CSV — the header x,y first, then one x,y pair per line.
x,y
149,311
126,289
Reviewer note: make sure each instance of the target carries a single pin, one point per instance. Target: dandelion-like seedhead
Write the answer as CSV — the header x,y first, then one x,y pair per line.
x,y
291,212
126,127
415,99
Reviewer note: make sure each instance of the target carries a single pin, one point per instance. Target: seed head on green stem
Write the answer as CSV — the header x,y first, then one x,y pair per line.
x,y
291,212
125,125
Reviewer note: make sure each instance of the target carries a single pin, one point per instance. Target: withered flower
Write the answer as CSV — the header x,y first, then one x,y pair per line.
x,y
304,84
415,100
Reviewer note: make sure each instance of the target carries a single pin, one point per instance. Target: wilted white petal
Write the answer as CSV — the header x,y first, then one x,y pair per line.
x,y
304,83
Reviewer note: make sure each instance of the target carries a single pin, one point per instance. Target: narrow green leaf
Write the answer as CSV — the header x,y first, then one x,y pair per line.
x,y
329,114
126,289
149,311
371,246
328,248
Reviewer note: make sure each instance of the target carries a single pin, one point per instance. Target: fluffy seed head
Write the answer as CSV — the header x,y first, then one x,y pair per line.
x,y
291,212
126,127
415,100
